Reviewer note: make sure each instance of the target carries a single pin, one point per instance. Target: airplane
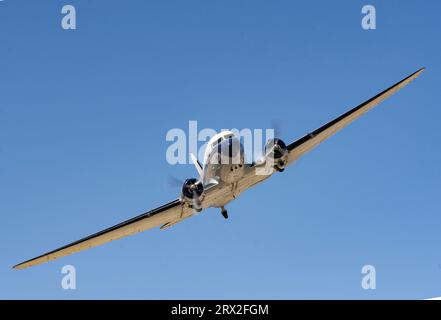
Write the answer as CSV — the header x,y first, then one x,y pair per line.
x,y
220,182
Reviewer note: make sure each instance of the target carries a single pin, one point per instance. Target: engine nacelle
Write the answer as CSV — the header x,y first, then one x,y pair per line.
x,y
276,152
193,193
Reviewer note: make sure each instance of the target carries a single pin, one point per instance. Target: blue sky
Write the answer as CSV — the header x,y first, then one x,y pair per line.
x,y
83,119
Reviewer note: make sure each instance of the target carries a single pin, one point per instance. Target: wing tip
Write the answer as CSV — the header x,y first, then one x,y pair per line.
x,y
411,77
25,264
419,71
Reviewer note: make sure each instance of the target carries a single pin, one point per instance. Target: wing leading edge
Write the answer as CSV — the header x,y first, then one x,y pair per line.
x,y
156,217
309,141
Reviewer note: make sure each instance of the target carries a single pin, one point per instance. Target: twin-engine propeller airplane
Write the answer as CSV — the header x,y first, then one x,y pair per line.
x,y
221,181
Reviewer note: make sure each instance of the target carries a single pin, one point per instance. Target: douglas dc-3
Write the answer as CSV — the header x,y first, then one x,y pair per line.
x,y
220,182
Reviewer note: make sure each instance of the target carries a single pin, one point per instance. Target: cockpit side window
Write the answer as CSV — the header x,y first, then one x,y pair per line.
x,y
216,142
220,139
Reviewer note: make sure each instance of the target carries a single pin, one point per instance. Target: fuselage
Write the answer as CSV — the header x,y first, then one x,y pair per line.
x,y
224,159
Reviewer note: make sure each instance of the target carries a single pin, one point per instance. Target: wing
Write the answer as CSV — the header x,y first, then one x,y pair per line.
x,y
309,141
171,211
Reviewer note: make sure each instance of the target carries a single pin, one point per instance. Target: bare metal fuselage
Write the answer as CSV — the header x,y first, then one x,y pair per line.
x,y
224,164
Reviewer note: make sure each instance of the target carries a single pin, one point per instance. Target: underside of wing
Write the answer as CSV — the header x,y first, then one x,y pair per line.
x,y
301,146
309,141
156,217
